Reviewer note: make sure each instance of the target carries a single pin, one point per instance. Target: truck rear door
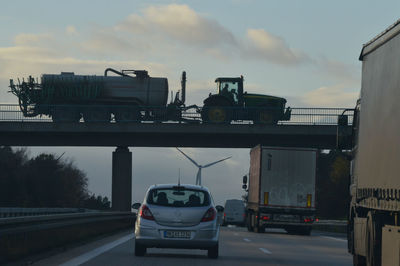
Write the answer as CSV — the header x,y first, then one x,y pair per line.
x,y
288,178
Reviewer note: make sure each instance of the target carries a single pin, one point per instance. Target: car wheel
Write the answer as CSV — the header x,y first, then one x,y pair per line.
x,y
140,250
213,252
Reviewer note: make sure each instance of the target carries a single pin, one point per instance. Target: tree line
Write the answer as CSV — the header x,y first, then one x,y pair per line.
x,y
45,180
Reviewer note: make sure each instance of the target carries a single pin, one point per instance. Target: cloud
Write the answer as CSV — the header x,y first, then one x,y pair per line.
x,y
33,54
346,73
179,23
331,96
107,42
32,40
262,44
71,30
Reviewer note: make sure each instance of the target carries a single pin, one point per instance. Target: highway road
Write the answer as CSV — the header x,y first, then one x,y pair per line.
x,y
237,247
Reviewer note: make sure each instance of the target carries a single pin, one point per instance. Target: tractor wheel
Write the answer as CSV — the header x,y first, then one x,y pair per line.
x,y
265,117
216,114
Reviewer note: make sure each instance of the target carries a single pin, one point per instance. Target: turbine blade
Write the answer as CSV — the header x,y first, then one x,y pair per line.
x,y
207,165
190,159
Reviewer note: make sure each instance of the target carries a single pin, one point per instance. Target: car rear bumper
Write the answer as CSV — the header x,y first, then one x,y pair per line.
x,y
202,236
175,243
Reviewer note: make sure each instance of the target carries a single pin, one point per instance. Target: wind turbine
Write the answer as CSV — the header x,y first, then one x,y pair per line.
x,y
198,176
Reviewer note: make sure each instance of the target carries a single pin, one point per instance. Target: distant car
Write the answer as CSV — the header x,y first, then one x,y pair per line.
x,y
177,216
234,213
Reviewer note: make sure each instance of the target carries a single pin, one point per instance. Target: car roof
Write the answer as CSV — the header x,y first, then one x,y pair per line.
x,y
189,186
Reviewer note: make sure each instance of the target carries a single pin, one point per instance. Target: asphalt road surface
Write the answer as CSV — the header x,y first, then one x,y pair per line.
x,y
237,247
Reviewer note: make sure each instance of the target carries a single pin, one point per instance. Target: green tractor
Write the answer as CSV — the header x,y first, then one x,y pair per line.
x,y
231,103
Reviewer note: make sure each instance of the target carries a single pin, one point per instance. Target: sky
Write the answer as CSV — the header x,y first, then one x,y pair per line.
x,y
304,50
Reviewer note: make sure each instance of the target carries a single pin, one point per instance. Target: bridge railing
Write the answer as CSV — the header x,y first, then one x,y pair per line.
x,y
149,114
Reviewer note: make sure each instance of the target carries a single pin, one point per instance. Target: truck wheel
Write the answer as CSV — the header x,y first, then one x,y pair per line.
x,y
256,225
248,223
259,229
358,260
213,252
374,235
216,114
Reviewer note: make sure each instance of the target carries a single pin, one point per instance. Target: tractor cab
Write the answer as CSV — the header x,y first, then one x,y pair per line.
x,y
231,88
231,103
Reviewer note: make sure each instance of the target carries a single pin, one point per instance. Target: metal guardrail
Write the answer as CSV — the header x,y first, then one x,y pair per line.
x,y
299,116
22,236
337,226
6,212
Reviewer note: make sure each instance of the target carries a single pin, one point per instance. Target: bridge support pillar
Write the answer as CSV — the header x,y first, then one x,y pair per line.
x,y
121,191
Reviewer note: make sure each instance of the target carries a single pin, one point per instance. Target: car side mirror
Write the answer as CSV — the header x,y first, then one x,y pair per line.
x,y
136,205
219,208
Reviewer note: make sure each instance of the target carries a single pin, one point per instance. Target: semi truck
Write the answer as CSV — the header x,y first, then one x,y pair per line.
x,y
134,96
374,226
281,189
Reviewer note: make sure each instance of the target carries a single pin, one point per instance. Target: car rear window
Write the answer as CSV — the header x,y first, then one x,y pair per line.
x,y
178,197
234,205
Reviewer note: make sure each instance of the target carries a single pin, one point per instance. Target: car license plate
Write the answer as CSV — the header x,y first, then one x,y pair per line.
x,y
177,234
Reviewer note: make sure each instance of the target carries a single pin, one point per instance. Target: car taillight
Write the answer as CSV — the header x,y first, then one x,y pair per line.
x,y
145,213
209,215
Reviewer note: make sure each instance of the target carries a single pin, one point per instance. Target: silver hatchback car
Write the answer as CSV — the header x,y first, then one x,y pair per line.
x,y
177,216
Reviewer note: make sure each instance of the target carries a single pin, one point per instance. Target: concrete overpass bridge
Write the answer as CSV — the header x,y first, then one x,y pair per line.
x,y
308,127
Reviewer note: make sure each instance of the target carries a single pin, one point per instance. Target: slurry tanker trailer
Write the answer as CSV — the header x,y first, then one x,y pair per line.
x,y
374,218
134,96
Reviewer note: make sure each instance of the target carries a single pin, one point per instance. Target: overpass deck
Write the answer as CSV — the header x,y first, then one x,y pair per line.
x,y
308,127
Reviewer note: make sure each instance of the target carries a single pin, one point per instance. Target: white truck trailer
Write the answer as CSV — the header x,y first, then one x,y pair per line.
x,y
281,189
374,227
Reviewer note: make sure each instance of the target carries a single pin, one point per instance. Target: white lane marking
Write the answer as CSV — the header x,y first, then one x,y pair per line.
x,y
334,238
96,252
265,250
246,239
